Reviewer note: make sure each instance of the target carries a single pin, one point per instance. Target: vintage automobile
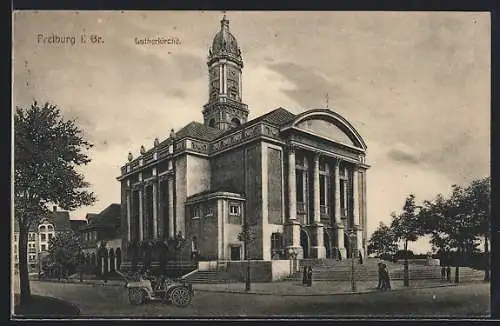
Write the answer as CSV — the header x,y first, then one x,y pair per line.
x,y
143,288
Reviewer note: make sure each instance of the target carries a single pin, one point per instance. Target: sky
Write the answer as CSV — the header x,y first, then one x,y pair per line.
x,y
416,85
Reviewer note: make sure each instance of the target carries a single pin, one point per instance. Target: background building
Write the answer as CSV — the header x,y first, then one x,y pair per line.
x,y
101,241
39,237
299,180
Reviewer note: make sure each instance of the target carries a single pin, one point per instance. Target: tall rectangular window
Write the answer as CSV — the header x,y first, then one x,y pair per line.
x,y
164,206
342,199
300,185
149,212
134,221
322,190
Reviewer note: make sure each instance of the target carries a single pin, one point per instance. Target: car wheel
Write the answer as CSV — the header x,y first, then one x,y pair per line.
x,y
136,296
180,296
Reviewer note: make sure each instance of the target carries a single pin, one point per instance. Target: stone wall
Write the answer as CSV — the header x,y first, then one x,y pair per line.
x,y
228,171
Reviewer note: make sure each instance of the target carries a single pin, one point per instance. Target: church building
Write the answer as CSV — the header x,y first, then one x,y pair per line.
x,y
297,180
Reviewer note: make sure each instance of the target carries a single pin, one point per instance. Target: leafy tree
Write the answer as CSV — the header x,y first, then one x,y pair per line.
x,y
434,217
460,224
65,251
382,241
247,236
406,228
47,151
478,196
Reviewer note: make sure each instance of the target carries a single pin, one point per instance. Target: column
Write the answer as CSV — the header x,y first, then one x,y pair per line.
x,y
292,227
155,209
129,236
355,198
317,211
171,208
318,249
356,211
338,215
141,211
337,212
292,186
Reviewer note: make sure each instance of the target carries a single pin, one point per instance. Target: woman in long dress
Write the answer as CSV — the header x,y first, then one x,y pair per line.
x,y
386,279
309,276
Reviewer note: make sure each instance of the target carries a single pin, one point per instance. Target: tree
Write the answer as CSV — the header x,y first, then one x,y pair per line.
x,y
478,196
65,251
406,228
434,217
247,236
382,241
460,224
47,151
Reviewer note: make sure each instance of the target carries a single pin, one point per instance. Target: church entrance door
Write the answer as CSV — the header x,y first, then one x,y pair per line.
x,y
304,242
235,253
327,243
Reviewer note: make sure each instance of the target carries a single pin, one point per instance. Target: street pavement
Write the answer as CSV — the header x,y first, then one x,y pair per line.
x,y
468,300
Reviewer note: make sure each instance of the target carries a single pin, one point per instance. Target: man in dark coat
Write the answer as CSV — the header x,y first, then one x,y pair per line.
x,y
304,276
379,285
448,274
309,276
386,281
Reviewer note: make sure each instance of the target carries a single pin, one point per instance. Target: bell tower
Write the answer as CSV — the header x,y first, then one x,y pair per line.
x,y
225,109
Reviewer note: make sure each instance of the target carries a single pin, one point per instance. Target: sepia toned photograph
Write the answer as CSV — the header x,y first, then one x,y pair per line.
x,y
250,164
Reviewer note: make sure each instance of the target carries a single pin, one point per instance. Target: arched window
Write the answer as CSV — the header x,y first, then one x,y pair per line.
x,y
235,122
42,228
211,123
50,228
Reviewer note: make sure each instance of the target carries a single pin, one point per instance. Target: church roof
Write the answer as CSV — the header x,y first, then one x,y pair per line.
x,y
60,220
198,131
277,117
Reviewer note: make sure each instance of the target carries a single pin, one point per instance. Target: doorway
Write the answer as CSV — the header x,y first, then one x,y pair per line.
x,y
304,242
326,243
235,252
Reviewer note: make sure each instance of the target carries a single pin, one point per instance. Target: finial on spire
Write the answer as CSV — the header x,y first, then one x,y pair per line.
x,y
224,23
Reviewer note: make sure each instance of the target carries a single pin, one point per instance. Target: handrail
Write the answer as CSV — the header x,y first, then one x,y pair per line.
x,y
189,274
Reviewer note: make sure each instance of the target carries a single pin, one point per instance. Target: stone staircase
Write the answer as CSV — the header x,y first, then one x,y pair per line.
x,y
211,277
332,270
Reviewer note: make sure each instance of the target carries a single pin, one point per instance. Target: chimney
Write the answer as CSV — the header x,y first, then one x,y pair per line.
x,y
54,208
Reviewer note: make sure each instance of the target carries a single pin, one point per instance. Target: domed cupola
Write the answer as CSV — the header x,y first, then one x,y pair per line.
x,y
224,44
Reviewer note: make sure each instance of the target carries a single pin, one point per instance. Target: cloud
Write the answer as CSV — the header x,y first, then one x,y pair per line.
x,y
310,87
401,156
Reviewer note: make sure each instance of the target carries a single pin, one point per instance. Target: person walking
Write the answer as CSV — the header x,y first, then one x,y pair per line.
x,y
309,276
448,273
443,273
304,276
385,278
379,285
